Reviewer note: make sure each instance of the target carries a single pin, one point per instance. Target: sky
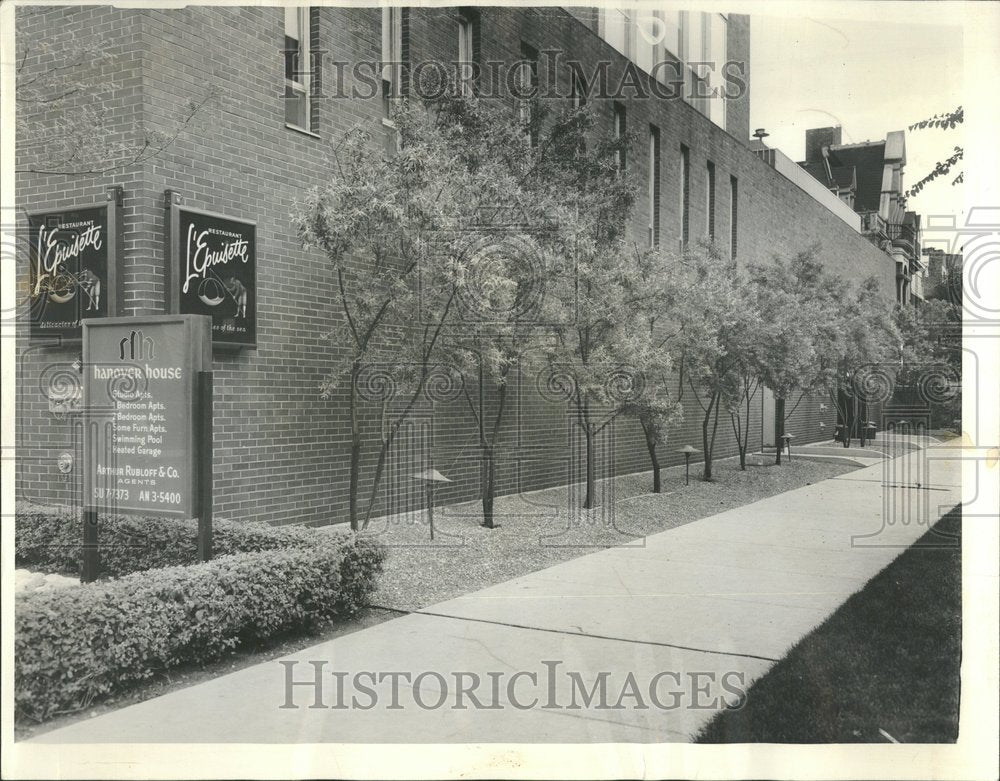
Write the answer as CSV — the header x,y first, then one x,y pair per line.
x,y
871,74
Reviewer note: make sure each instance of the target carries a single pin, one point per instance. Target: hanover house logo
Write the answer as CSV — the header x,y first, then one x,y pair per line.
x,y
135,347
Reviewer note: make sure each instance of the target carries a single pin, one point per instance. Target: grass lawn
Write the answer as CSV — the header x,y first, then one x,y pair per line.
x,y
888,659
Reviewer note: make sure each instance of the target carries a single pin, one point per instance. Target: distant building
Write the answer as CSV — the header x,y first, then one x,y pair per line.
x,y
944,274
868,177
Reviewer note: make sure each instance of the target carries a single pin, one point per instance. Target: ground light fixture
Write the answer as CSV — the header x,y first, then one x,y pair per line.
x,y
787,439
687,450
429,477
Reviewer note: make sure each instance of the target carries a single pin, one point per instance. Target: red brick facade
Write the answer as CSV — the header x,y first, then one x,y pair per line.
x,y
281,452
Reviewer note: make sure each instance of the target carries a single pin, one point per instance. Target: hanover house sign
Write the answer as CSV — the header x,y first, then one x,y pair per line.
x,y
141,437
213,271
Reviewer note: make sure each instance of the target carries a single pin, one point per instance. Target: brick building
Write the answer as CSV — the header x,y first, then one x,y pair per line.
x,y
281,452
944,274
868,177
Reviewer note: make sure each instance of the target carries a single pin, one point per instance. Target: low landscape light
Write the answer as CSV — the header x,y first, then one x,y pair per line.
x,y
429,477
787,438
687,450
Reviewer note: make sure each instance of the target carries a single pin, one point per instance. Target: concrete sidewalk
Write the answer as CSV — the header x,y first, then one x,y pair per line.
x,y
674,626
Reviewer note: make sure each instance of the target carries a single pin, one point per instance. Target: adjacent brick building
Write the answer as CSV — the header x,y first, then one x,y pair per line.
x,y
281,452
868,177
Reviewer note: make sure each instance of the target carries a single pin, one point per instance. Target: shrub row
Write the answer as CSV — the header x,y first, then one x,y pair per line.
x,y
78,645
49,539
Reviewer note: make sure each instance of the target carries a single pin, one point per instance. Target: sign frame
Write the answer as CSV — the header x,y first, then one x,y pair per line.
x,y
174,202
114,210
198,360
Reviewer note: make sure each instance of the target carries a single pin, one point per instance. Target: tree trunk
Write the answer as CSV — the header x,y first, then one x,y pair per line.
x,y
743,438
489,482
352,491
741,447
779,422
487,485
651,446
590,500
379,468
708,442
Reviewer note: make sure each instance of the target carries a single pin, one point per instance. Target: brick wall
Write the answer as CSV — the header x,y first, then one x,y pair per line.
x,y
281,452
110,45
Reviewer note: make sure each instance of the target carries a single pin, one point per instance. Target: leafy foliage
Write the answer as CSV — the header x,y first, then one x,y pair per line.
x,y
497,324
601,348
390,225
715,346
77,645
49,539
798,323
943,167
928,332
944,121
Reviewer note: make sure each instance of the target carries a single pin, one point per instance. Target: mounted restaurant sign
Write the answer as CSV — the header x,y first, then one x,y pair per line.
x,y
213,271
73,258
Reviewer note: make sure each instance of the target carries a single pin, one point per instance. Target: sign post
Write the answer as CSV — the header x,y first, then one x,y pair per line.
x,y
205,405
152,376
98,433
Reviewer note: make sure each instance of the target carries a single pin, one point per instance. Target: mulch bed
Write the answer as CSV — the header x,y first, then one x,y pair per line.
x,y
539,529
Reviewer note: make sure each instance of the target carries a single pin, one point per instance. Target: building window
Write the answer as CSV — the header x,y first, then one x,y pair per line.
x,y
644,44
685,193
695,47
468,51
654,186
671,33
686,48
710,198
300,30
733,202
621,128
527,90
616,26
717,54
392,70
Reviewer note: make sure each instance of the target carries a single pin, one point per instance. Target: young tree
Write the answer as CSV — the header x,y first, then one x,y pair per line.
x,y
862,348
496,324
794,300
930,357
373,219
652,403
748,385
590,296
655,408
711,298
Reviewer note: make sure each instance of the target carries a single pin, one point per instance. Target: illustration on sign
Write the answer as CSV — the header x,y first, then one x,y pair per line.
x,y
215,272
72,261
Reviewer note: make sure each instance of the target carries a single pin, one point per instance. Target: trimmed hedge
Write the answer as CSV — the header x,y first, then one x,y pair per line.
x,y
78,645
49,539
